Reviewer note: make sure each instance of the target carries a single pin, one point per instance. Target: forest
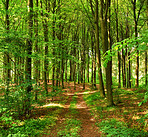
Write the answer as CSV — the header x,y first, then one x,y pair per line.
x,y
73,68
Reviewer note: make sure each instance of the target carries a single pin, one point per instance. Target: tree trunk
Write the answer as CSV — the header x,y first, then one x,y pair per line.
x,y
146,68
66,70
110,37
6,53
136,18
119,56
53,38
92,66
101,85
37,62
104,36
88,57
71,68
78,68
146,51
45,27
28,59
95,69
123,61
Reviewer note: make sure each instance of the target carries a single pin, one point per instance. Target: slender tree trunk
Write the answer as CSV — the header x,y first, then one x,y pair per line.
x,y
127,72
66,70
92,66
37,62
53,38
28,59
6,53
83,56
82,61
146,75
62,69
57,72
123,61
88,57
71,68
88,62
78,68
97,49
74,69
45,27
136,18
119,56
146,68
128,56
129,69
95,69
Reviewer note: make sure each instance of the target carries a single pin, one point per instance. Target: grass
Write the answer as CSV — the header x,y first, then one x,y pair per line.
x,y
71,125
70,128
39,122
127,118
112,127
73,103
31,127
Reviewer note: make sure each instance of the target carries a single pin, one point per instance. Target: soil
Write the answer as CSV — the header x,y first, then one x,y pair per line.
x,y
88,127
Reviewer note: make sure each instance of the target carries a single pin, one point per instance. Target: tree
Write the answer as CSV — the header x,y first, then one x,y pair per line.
x,y
6,56
46,39
101,88
104,35
117,38
136,19
28,58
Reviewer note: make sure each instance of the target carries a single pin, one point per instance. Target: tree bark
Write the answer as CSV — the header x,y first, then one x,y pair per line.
x,y
101,85
92,55
6,53
37,62
104,36
53,39
28,59
45,27
136,19
119,56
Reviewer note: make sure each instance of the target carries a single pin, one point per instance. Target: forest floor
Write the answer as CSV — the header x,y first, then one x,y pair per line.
x,y
83,113
80,111
85,109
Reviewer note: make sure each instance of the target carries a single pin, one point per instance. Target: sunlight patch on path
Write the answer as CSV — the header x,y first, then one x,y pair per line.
x,y
56,105
53,105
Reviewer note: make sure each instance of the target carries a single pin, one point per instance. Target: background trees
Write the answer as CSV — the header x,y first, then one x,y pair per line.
x,y
63,40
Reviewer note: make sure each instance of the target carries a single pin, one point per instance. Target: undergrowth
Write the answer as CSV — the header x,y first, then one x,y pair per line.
x,y
112,127
70,128
31,127
71,125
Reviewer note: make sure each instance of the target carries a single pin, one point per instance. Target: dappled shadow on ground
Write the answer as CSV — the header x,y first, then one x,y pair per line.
x,y
127,110
89,129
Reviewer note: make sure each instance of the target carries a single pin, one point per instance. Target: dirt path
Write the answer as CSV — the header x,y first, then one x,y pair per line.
x,y
89,129
60,120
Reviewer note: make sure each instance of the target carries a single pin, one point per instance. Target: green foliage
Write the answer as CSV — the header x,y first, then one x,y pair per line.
x,y
91,98
132,44
32,127
119,129
145,99
73,105
72,127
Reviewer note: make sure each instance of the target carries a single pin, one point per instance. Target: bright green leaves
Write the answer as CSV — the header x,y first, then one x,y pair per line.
x,y
119,129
